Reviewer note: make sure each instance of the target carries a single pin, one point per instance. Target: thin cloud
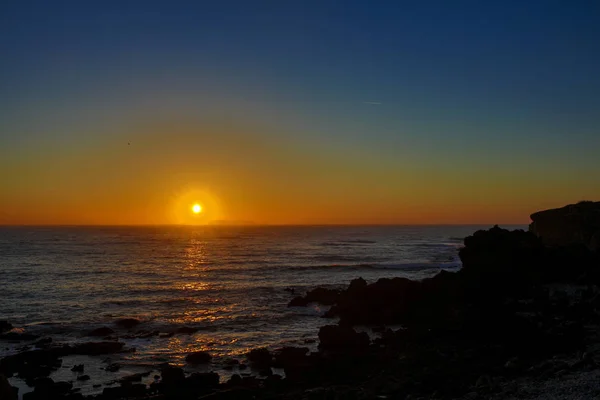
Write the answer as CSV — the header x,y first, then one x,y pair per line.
x,y
375,103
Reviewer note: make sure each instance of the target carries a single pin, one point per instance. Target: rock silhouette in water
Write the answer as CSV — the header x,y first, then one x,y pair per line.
x,y
198,357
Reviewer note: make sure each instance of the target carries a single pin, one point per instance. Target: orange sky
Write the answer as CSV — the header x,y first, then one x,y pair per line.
x,y
248,172
296,113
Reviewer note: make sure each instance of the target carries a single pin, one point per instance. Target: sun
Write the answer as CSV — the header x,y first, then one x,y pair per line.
x,y
196,208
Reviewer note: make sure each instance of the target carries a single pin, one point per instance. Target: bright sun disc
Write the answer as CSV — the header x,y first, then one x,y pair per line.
x,y
196,208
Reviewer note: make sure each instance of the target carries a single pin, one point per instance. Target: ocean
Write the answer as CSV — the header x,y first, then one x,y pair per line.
x,y
228,282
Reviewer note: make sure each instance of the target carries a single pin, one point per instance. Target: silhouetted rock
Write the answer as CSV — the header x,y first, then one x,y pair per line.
x,y
260,357
334,337
357,286
101,332
172,375
5,326
498,253
383,302
572,224
504,262
127,323
198,357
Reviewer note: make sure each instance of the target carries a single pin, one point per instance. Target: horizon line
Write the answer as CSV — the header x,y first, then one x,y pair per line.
x,y
260,225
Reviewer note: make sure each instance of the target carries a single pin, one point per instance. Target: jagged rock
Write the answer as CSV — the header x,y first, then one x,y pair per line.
x,y
357,285
198,357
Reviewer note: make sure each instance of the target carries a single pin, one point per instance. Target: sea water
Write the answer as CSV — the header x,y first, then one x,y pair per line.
x,y
233,284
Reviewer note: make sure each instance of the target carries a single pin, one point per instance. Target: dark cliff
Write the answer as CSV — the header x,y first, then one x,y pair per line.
x,y
573,224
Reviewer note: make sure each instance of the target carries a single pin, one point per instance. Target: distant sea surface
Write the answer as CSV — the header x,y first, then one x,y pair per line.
x,y
229,282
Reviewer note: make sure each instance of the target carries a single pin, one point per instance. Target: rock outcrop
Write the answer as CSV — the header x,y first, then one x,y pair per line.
x,y
573,224
198,357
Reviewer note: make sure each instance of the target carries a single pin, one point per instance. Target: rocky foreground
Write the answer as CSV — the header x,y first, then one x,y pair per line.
x,y
521,319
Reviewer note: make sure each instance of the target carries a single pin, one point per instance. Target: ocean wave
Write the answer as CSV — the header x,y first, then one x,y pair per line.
x,y
419,266
439,245
346,243
414,266
344,258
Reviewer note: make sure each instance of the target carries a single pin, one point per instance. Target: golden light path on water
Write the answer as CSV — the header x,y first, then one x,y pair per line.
x,y
207,311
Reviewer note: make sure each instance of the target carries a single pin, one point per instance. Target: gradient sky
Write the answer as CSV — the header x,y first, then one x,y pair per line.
x,y
286,112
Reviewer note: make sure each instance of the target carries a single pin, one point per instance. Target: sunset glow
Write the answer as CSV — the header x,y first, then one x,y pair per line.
x,y
350,122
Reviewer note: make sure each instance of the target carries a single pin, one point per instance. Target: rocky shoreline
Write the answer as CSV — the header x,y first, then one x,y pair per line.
x,y
521,319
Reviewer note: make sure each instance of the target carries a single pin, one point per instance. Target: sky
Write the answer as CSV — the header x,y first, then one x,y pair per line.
x,y
297,112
